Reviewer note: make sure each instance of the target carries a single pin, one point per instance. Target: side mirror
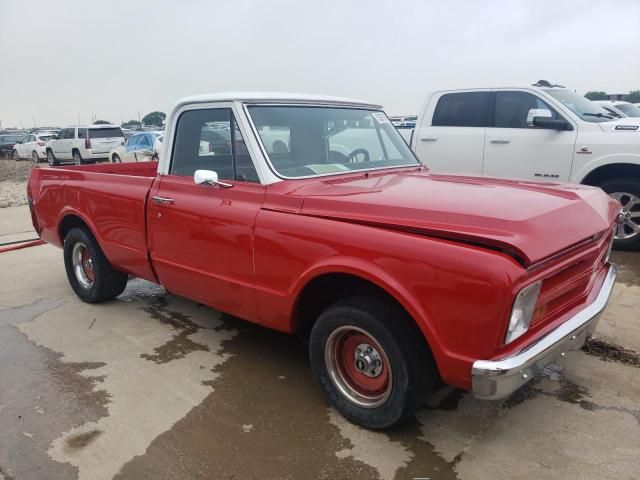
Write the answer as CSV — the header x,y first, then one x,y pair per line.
x,y
208,177
543,118
537,112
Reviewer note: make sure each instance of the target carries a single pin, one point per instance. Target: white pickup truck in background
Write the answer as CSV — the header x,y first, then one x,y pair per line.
x,y
539,132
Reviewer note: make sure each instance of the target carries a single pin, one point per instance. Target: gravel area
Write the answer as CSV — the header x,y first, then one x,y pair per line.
x,y
13,182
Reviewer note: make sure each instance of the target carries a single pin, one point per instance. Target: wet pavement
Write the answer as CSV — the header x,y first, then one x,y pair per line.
x,y
155,386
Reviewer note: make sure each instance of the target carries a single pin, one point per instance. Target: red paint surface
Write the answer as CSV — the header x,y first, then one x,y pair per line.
x,y
452,250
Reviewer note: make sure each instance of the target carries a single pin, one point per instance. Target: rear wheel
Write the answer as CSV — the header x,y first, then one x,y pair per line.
x,y
89,272
627,192
372,361
77,158
116,158
35,157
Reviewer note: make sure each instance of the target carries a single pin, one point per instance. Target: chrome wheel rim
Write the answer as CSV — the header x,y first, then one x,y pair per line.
x,y
83,265
15,155
50,157
76,158
629,219
35,158
358,366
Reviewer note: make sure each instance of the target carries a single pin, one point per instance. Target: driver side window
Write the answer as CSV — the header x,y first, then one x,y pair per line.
x,y
511,109
209,139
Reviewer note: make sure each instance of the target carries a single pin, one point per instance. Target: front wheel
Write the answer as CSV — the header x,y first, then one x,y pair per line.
x,y
116,158
90,274
627,192
15,155
35,157
371,361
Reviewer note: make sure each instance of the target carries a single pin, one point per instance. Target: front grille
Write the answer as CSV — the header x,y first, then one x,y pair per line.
x,y
569,286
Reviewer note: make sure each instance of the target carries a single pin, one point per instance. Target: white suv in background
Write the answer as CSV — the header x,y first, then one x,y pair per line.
x,y
83,144
539,132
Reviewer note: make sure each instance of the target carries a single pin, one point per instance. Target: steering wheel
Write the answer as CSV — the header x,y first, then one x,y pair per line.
x,y
351,158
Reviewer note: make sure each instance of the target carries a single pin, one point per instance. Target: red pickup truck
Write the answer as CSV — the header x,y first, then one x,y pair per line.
x,y
311,214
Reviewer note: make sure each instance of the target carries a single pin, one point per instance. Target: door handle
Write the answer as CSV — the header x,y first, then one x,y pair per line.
x,y
501,141
162,200
429,139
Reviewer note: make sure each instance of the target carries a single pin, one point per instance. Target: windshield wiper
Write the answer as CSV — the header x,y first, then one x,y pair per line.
x,y
599,115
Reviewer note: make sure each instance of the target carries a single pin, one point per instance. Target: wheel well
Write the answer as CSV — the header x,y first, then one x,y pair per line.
x,y
327,289
70,222
608,172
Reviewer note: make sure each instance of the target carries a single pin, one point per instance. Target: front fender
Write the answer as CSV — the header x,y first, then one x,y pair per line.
x,y
594,163
381,278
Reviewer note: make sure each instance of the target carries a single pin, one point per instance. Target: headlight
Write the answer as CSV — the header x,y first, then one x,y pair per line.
x,y
522,312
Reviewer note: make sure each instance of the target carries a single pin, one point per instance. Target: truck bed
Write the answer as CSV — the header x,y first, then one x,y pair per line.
x,y
109,198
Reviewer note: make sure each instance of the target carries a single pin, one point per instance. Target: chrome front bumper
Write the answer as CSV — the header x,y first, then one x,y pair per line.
x,y
493,380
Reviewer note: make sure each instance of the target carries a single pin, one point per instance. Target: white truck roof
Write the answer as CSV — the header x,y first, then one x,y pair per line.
x,y
277,97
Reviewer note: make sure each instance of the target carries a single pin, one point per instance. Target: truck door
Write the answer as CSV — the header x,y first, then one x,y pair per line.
x,y
201,236
515,149
451,139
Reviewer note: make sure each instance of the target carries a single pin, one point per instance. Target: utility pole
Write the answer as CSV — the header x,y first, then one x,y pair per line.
x,y
21,127
34,120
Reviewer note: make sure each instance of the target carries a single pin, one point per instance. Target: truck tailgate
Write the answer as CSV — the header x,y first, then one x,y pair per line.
x,y
109,199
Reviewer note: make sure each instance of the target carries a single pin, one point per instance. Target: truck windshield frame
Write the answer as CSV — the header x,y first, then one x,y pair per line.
x,y
309,140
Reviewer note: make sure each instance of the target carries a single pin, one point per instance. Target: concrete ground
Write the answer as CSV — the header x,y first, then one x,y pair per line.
x,y
155,386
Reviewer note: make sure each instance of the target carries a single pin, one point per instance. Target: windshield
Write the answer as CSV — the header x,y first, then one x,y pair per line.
x,y
584,108
628,109
304,141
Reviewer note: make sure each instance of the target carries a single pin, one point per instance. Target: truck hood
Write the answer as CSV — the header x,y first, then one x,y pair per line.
x,y
530,221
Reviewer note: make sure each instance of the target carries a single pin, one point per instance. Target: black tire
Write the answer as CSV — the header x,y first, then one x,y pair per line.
x,y
15,155
155,158
35,157
116,158
51,158
107,283
629,186
413,368
77,158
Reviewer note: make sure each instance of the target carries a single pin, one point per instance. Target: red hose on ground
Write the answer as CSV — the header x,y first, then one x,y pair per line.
x,y
18,246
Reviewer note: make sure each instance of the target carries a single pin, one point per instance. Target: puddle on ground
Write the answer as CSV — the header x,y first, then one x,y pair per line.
x,y
610,352
41,395
267,384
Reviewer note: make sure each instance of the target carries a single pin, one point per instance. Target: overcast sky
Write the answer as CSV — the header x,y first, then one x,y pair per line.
x,y
67,60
